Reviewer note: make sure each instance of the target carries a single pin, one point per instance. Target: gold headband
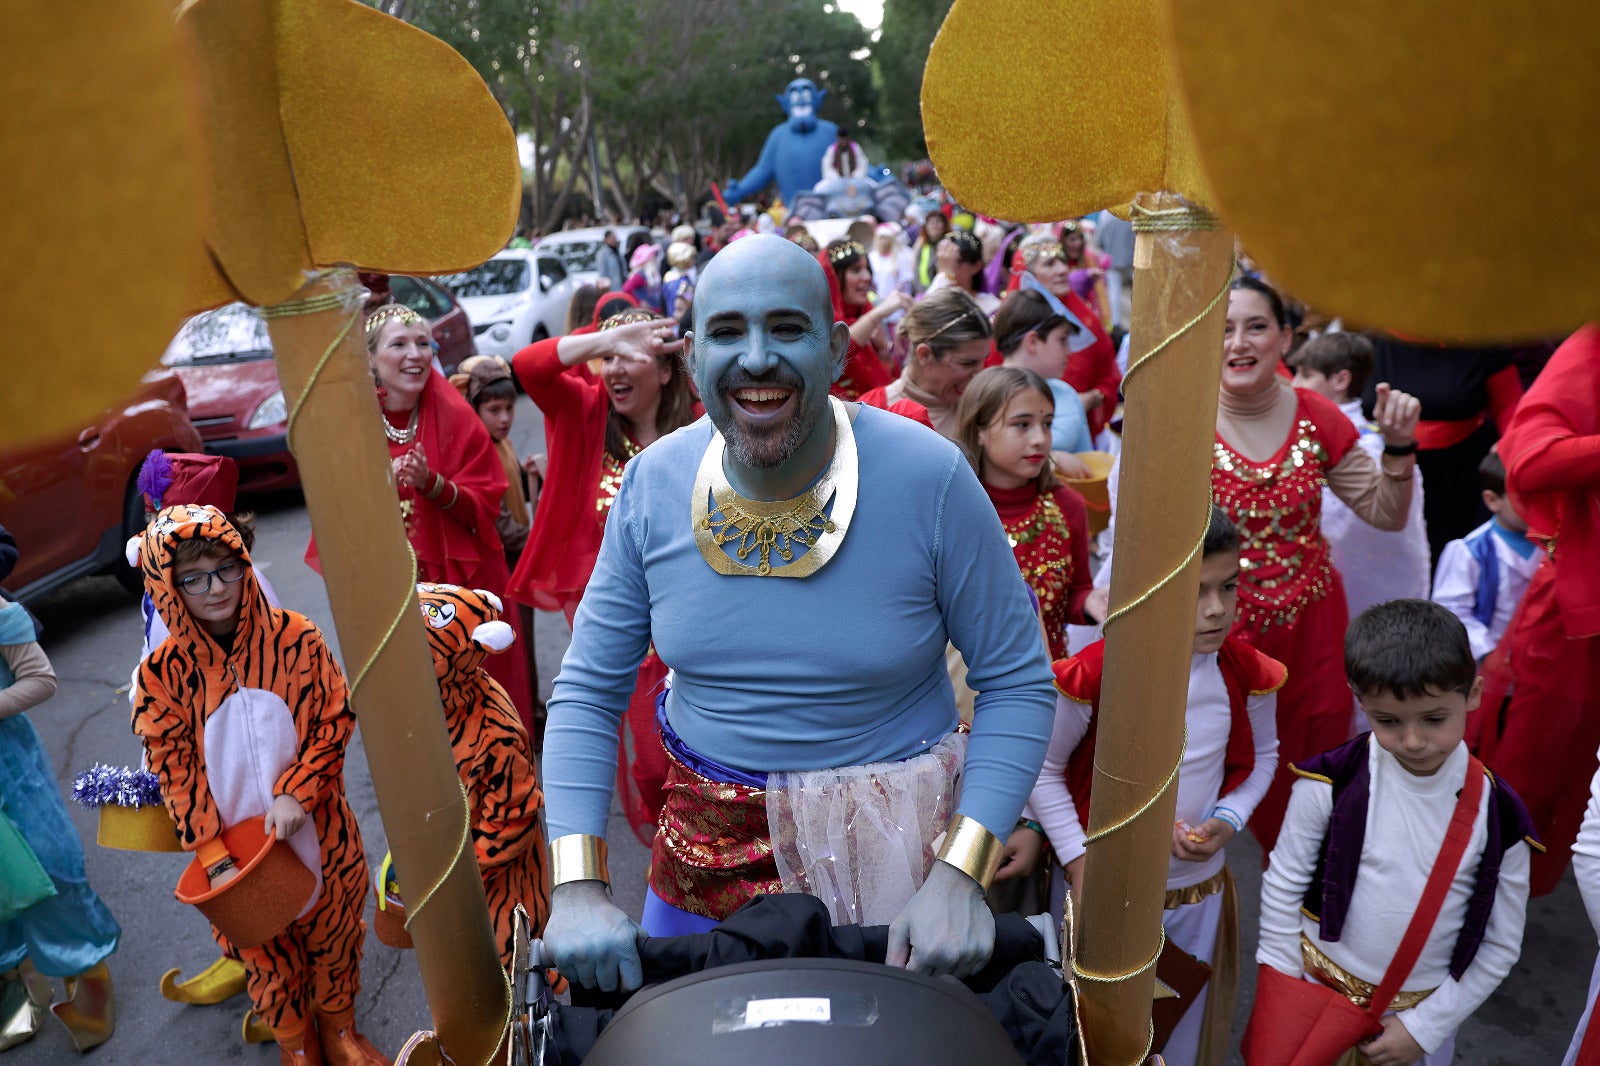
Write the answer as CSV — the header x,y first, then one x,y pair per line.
x,y
399,312
628,317
1032,253
965,314
840,252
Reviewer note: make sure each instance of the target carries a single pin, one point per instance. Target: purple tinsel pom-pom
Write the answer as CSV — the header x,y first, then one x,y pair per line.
x,y
155,477
118,786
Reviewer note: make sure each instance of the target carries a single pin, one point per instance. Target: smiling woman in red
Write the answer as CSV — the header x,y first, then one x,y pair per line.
x,y
849,274
594,424
1276,448
446,471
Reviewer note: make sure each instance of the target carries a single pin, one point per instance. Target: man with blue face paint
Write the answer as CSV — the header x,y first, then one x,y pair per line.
x,y
800,564
793,153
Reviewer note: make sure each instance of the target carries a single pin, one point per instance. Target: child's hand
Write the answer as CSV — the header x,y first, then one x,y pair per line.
x,y
1394,1046
1021,854
1074,872
285,817
1098,604
1091,399
1069,465
1199,842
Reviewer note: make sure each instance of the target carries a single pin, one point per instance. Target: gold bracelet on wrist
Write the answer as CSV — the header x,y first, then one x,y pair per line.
x,y
435,486
578,857
972,849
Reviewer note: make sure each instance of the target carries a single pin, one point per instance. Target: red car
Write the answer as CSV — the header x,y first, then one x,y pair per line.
x,y
225,359
70,500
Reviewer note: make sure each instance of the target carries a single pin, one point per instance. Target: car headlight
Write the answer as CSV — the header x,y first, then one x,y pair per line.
x,y
270,413
500,331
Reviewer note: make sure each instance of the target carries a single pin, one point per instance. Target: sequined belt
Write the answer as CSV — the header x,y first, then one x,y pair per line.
x,y
1348,984
1184,897
713,850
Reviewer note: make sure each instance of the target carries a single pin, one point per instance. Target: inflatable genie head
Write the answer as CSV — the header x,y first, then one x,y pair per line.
x,y
801,99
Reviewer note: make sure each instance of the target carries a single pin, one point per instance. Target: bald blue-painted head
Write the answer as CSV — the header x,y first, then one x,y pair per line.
x,y
764,349
801,99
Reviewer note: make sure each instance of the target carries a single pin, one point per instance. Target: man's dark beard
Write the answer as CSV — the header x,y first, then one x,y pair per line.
x,y
770,446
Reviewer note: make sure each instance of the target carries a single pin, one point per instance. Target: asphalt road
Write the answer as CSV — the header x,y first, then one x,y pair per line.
x,y
93,637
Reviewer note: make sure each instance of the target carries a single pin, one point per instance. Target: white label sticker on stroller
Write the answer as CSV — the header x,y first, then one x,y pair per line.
x,y
761,1012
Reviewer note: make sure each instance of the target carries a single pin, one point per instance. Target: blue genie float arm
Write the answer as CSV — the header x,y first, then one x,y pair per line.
x,y
792,155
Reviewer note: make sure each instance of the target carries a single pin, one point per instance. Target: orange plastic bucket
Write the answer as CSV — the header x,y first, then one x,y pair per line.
x,y
272,887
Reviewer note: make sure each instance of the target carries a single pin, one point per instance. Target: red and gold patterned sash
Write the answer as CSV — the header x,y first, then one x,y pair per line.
x,y
713,851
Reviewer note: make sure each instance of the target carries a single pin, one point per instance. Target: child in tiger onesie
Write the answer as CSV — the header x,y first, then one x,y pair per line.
x,y
493,755
244,714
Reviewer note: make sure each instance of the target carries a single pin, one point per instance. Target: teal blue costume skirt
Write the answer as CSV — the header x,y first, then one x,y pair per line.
x,y
73,930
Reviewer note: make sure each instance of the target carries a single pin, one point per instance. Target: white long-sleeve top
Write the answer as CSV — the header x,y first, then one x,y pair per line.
x,y
1455,586
1199,778
1586,854
1377,565
1406,820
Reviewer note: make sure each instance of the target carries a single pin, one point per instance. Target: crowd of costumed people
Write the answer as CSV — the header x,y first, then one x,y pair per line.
x,y
1398,629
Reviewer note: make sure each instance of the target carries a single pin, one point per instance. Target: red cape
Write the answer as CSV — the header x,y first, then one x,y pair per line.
x,y
1563,403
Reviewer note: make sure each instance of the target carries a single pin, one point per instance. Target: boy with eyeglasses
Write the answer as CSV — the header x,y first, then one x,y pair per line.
x,y
244,714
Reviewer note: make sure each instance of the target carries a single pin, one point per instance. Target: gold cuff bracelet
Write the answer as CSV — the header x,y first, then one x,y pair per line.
x,y
972,849
578,857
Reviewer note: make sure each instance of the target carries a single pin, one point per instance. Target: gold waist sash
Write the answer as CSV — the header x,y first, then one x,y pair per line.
x,y
1348,984
1183,897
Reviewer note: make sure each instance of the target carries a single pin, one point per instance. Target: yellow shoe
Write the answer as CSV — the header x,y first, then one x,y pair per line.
x,y
222,980
89,1012
22,1008
254,1030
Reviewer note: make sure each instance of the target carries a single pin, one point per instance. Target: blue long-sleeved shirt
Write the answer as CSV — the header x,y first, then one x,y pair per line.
x,y
1070,431
841,668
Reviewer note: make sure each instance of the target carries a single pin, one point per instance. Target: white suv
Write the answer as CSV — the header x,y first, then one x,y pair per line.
x,y
518,297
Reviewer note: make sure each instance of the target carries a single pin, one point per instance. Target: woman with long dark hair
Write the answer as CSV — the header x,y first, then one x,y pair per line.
x,y
1276,448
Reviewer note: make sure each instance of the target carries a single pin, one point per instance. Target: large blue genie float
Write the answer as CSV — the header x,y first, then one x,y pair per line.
x,y
792,157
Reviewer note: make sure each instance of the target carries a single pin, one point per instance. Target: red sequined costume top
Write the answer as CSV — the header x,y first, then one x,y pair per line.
x,y
1049,535
1291,600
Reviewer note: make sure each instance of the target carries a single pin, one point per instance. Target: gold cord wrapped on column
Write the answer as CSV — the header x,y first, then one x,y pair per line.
x,y
1182,266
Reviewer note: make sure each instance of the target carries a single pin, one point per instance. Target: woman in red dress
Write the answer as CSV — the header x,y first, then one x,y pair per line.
x,y
447,473
1538,723
1041,264
1276,448
1003,426
849,276
594,424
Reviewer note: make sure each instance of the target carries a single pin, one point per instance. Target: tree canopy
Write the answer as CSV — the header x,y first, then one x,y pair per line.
x,y
909,27
678,93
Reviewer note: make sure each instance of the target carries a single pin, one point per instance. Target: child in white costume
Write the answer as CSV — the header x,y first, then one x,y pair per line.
x,y
1482,577
1586,868
1228,763
1364,828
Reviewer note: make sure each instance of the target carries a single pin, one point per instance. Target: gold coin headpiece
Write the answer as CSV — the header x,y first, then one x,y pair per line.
x,y
398,312
838,253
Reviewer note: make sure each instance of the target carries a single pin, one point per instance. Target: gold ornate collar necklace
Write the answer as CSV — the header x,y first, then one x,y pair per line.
x,y
756,528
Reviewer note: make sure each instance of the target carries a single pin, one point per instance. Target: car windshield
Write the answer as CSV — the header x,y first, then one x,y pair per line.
x,y
497,277
235,332
577,255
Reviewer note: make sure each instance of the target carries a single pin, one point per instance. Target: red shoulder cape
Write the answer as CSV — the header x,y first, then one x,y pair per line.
x,y
879,397
1245,672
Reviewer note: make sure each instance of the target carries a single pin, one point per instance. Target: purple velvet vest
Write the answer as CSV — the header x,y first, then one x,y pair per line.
x,y
1327,901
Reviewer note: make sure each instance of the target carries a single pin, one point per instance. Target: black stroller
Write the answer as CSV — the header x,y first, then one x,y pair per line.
x,y
777,985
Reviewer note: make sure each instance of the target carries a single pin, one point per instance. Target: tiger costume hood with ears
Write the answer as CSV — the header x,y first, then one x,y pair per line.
x,y
153,550
464,628
492,754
